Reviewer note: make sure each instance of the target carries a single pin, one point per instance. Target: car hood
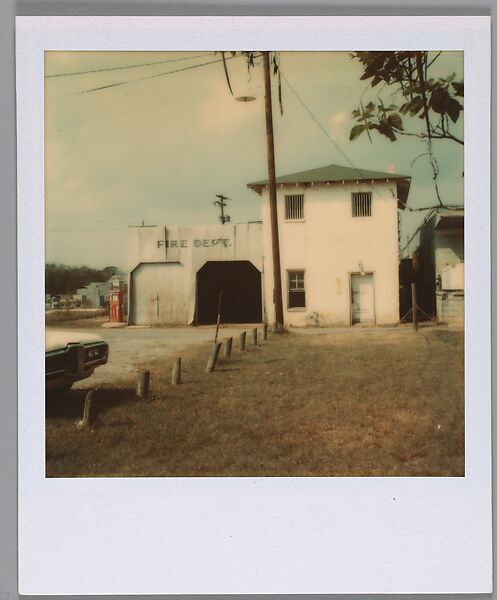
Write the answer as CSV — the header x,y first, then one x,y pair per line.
x,y
57,340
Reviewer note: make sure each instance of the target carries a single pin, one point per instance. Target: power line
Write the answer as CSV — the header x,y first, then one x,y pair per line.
x,y
307,109
423,222
97,220
343,153
103,87
149,64
92,230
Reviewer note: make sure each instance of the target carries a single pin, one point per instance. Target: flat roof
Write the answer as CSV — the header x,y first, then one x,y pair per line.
x,y
449,218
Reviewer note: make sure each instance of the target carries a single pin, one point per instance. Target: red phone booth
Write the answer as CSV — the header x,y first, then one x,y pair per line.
x,y
116,303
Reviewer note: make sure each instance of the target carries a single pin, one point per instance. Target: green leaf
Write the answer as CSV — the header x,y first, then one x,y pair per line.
x,y
385,129
356,132
410,89
438,100
416,105
453,109
395,121
459,88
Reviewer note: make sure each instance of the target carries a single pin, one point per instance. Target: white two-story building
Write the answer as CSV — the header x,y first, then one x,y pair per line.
x,y
338,230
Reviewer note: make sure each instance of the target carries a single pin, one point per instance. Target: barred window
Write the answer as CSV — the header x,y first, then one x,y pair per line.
x,y
361,204
296,289
294,207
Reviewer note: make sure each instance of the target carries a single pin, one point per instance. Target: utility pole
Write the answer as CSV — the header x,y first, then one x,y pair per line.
x,y
222,205
278,297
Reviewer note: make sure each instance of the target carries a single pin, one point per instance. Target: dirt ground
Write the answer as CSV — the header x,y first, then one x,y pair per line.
x,y
133,347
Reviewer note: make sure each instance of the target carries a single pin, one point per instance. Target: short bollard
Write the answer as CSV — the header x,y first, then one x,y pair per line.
x,y
254,336
211,365
264,331
243,336
143,385
176,375
227,347
88,411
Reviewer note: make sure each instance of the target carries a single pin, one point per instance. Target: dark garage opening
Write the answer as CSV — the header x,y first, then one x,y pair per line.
x,y
240,282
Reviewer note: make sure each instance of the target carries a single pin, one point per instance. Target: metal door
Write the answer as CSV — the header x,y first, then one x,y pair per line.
x,y
362,298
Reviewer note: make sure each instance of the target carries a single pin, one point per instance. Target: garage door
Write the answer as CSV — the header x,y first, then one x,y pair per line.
x,y
240,283
160,295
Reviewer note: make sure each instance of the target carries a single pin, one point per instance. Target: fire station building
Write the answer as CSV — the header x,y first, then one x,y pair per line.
x,y
338,229
177,272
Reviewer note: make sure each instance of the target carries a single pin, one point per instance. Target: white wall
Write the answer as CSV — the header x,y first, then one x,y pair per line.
x,y
163,262
329,245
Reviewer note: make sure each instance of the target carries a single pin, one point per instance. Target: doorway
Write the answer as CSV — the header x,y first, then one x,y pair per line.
x,y
362,298
240,283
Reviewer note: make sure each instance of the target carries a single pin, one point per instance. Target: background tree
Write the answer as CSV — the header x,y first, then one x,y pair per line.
x,y
63,279
437,102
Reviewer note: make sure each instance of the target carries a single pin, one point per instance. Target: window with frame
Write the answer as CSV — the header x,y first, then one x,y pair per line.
x,y
361,204
296,289
294,207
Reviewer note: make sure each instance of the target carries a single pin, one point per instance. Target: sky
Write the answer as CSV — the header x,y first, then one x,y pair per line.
x,y
156,146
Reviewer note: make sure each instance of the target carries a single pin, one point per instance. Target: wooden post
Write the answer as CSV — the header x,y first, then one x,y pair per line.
x,y
219,303
211,365
243,335
176,375
88,411
254,336
227,347
264,331
278,297
414,307
143,385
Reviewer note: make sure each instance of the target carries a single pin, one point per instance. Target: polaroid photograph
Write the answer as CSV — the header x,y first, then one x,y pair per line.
x,y
256,253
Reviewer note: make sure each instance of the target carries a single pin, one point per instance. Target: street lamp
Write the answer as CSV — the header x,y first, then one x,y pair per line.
x,y
278,297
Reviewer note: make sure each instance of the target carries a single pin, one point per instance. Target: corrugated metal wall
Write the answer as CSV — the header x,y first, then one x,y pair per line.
x,y
160,294
163,262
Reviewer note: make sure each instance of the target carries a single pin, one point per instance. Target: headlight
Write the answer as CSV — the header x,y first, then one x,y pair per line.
x,y
93,353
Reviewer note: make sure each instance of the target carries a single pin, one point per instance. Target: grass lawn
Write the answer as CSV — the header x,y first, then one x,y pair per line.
x,y
372,403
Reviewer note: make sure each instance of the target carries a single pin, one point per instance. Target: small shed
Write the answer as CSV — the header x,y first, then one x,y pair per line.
x,y
439,261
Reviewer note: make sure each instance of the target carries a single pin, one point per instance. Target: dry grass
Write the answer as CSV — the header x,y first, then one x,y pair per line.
x,y
375,404
76,318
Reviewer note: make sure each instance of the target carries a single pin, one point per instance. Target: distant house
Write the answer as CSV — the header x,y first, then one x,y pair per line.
x,y
338,229
439,263
94,295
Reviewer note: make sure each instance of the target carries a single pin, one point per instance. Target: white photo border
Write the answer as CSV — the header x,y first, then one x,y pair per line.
x,y
253,535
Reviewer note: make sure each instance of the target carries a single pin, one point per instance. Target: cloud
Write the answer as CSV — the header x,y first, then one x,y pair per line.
x,y
159,149
338,129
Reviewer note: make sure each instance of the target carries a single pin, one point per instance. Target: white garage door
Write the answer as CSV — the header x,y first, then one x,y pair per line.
x,y
160,294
